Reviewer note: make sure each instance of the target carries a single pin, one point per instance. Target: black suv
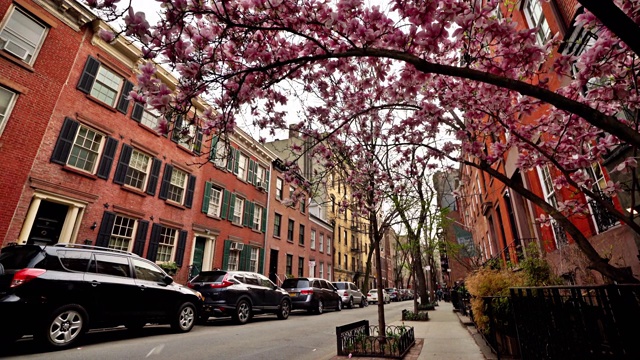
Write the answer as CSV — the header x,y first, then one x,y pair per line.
x,y
312,294
59,292
239,294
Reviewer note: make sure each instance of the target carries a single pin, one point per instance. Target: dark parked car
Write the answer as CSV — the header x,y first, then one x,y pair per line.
x,y
394,295
59,292
312,294
239,294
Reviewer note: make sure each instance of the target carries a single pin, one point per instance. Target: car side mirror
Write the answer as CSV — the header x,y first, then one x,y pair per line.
x,y
168,279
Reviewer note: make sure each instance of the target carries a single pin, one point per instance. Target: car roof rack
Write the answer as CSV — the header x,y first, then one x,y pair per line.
x,y
93,247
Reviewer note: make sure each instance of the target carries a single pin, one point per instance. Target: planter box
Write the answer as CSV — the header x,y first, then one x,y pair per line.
x,y
360,339
408,315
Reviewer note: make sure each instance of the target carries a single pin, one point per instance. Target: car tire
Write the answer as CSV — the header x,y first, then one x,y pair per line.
x,y
185,318
362,304
284,310
350,305
320,307
339,305
243,312
64,327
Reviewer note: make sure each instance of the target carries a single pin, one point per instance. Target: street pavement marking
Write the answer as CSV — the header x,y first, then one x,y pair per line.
x,y
156,350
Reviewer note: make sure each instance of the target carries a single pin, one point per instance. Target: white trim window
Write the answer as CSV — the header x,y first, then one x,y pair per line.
x,y
321,243
253,261
187,140
329,272
7,100
221,154
215,202
242,166
234,259
177,186
238,210
321,271
550,197
107,86
313,240
257,218
122,233
279,186
535,18
261,173
138,170
328,246
150,118
22,35
86,150
166,245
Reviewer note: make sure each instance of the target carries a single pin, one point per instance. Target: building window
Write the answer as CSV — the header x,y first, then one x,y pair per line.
x,y
328,245
290,230
234,259
86,148
238,209
257,217
22,35
221,156
301,235
289,265
329,272
321,244
7,99
139,167
313,239
321,271
261,177
150,118
166,244
535,18
346,261
277,221
106,86
303,205
177,185
279,185
242,167
215,202
339,258
122,233
353,264
300,266
253,262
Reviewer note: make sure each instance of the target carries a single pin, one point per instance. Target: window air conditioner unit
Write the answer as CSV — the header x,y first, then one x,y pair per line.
x,y
237,246
261,185
14,49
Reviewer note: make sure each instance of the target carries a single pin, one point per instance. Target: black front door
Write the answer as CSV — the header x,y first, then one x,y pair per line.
x,y
48,223
273,266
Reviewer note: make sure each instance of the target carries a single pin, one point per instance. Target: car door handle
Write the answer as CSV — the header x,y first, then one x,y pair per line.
x,y
95,283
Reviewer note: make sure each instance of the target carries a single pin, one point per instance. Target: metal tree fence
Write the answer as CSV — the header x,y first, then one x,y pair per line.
x,y
577,322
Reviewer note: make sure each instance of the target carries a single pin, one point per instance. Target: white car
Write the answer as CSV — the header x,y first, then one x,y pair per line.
x,y
372,296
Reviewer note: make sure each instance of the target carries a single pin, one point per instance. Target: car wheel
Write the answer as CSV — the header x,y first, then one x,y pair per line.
x,y
339,305
362,304
320,308
284,310
64,327
243,312
350,305
185,319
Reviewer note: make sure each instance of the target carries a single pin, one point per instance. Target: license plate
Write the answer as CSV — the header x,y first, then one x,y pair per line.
x,y
293,294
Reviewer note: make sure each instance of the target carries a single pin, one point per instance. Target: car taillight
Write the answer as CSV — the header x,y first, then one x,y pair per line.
x,y
25,275
306,292
223,284
344,293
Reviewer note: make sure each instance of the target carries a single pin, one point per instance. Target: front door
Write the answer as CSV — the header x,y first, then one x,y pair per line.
x,y
198,256
273,266
48,224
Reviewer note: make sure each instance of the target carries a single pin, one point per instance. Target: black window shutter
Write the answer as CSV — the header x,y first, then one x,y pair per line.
x,y
136,114
197,145
141,237
261,262
123,164
65,141
182,243
206,197
188,200
107,158
152,185
177,127
123,103
245,256
153,242
166,181
106,226
214,145
88,75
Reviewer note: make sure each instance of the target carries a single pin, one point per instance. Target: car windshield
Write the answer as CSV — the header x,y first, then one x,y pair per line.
x,y
341,286
295,283
210,277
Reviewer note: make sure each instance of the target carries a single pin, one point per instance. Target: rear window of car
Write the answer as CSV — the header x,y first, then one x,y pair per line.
x,y
295,283
20,257
210,277
340,286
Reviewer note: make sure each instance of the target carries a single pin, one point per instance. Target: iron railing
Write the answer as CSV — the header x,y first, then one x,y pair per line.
x,y
362,339
603,218
577,322
500,331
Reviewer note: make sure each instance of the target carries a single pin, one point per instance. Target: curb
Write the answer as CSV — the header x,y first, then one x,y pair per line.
x,y
477,337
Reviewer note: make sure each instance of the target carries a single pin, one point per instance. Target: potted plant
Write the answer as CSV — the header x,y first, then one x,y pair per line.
x,y
170,268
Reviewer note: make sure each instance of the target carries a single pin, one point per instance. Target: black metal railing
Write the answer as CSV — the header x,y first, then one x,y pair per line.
x,y
602,217
361,339
500,331
577,322
561,235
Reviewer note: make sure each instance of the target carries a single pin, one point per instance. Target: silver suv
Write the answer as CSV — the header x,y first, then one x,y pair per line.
x,y
350,294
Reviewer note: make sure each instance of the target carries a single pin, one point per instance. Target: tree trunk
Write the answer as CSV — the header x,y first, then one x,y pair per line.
x,y
381,322
422,284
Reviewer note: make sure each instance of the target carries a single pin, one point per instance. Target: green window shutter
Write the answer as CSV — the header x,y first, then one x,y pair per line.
x,y
261,261
252,206
225,204
214,145
232,206
266,180
251,172
230,157
245,217
245,257
264,220
207,195
225,254
236,161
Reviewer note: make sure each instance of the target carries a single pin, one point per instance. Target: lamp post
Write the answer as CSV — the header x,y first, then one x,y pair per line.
x,y
428,268
449,276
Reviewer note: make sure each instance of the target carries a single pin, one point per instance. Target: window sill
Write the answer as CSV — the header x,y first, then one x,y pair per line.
x,y
134,190
290,241
214,217
277,237
79,172
301,245
101,103
256,231
175,205
237,224
16,61
190,152
153,131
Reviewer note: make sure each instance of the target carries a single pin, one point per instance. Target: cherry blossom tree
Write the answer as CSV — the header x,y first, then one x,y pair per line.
x,y
433,58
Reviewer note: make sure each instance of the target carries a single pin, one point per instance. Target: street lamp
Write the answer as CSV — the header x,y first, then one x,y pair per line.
x,y
449,275
428,268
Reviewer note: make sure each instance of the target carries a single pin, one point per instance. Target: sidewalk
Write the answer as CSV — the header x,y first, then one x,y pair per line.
x,y
445,337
